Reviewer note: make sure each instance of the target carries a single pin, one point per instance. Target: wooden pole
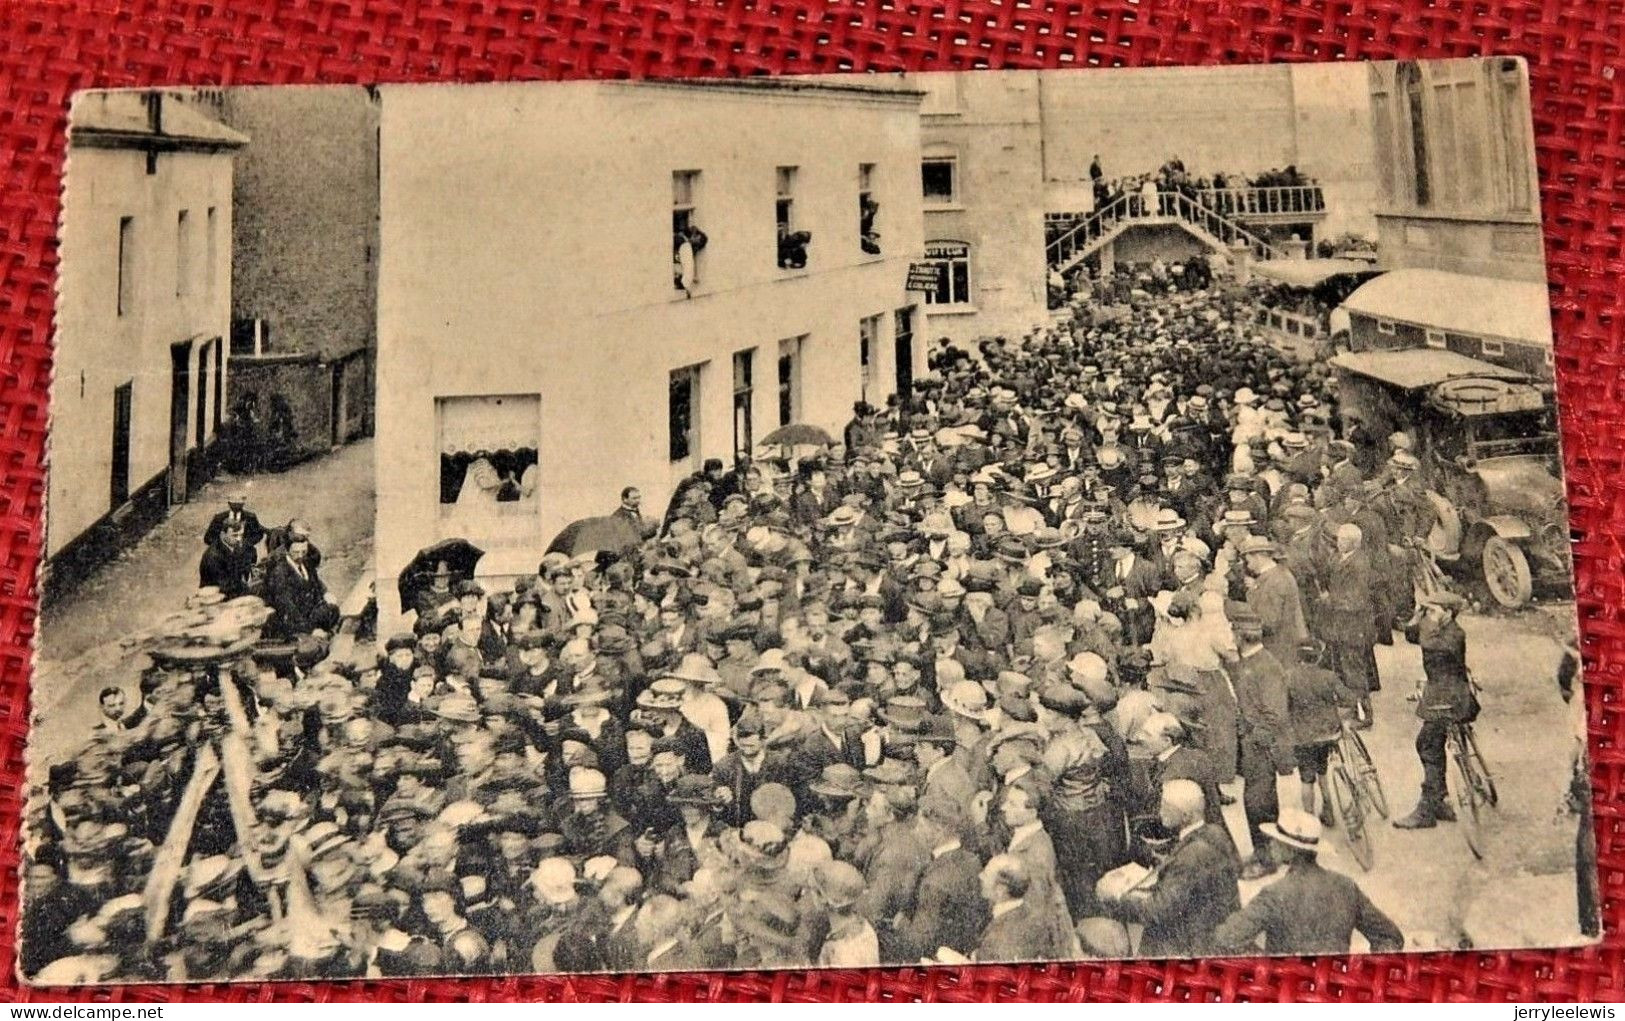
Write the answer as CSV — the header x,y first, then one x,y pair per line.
x,y
166,863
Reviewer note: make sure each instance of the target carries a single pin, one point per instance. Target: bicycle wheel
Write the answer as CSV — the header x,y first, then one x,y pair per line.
x,y
1470,802
1355,753
1349,805
1481,770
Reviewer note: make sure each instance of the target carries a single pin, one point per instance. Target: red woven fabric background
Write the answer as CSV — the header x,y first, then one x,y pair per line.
x,y
49,49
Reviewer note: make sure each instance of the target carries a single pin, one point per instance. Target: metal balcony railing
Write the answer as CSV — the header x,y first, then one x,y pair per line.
x,y
1166,206
1306,199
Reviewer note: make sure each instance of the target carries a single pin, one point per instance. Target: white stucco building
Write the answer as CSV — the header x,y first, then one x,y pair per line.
x,y
143,310
532,315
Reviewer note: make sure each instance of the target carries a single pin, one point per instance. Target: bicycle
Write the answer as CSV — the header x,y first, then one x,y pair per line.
x,y
1472,783
1352,750
1347,794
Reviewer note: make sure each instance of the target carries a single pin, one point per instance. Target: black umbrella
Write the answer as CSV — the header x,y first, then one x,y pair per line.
x,y
590,535
459,555
798,434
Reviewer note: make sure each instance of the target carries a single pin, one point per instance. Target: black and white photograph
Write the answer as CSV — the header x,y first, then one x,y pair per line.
x,y
775,523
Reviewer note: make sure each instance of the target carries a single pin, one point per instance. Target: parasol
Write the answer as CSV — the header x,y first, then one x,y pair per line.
x,y
459,555
798,434
591,535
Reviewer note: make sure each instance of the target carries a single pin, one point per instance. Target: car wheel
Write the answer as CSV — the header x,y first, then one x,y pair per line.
x,y
1506,572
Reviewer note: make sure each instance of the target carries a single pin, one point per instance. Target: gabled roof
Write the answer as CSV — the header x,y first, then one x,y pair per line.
x,y
124,118
1515,310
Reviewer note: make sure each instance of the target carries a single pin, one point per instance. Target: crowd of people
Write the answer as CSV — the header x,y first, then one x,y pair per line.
x,y
1149,194
973,682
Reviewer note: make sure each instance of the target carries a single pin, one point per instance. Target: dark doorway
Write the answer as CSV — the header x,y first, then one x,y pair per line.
x,y
219,381
120,482
336,410
180,401
904,347
202,433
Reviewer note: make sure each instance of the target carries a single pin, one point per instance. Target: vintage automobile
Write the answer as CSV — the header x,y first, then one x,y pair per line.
x,y
1487,440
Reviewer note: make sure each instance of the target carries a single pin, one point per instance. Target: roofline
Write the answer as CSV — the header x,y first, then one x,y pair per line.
x,y
105,138
886,94
1389,317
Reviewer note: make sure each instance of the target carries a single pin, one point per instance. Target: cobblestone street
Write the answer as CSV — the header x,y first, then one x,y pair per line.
x,y
87,635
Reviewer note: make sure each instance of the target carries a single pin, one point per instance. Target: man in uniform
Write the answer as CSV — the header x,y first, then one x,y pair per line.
x,y
1447,699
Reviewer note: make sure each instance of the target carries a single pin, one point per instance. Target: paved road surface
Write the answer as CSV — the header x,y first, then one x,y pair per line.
x,y
79,635
1426,880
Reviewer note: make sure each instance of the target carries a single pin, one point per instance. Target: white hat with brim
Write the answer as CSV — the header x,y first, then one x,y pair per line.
x,y
1295,829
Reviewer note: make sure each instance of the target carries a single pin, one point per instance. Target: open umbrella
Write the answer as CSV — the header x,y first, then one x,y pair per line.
x,y
459,555
798,434
591,535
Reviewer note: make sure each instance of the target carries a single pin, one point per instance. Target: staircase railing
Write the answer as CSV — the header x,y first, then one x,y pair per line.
x,y
1133,208
1087,230
1224,229
1275,200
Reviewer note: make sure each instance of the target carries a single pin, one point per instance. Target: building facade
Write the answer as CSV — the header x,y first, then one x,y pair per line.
x,y
304,258
1458,189
545,340
982,186
143,316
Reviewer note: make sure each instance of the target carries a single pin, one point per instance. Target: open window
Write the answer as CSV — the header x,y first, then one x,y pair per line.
x,y
688,241
868,210
489,466
939,180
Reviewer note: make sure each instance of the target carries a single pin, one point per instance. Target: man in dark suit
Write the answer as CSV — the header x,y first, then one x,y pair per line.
x,y
1309,910
1346,619
1017,930
1342,476
1163,736
1195,889
948,910
228,561
235,513
631,511
1261,687
1275,597
1131,582
296,593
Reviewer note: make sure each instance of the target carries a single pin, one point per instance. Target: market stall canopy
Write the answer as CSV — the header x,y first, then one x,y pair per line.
x,y
1414,368
1310,272
1514,310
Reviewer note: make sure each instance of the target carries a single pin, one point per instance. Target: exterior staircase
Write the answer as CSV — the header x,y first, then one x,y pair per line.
x,y
1104,225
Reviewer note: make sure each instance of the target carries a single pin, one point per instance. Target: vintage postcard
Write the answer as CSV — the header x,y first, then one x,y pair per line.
x,y
783,523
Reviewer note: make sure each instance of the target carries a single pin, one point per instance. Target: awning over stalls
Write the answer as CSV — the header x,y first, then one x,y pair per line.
x,y
1310,272
1414,368
1513,310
